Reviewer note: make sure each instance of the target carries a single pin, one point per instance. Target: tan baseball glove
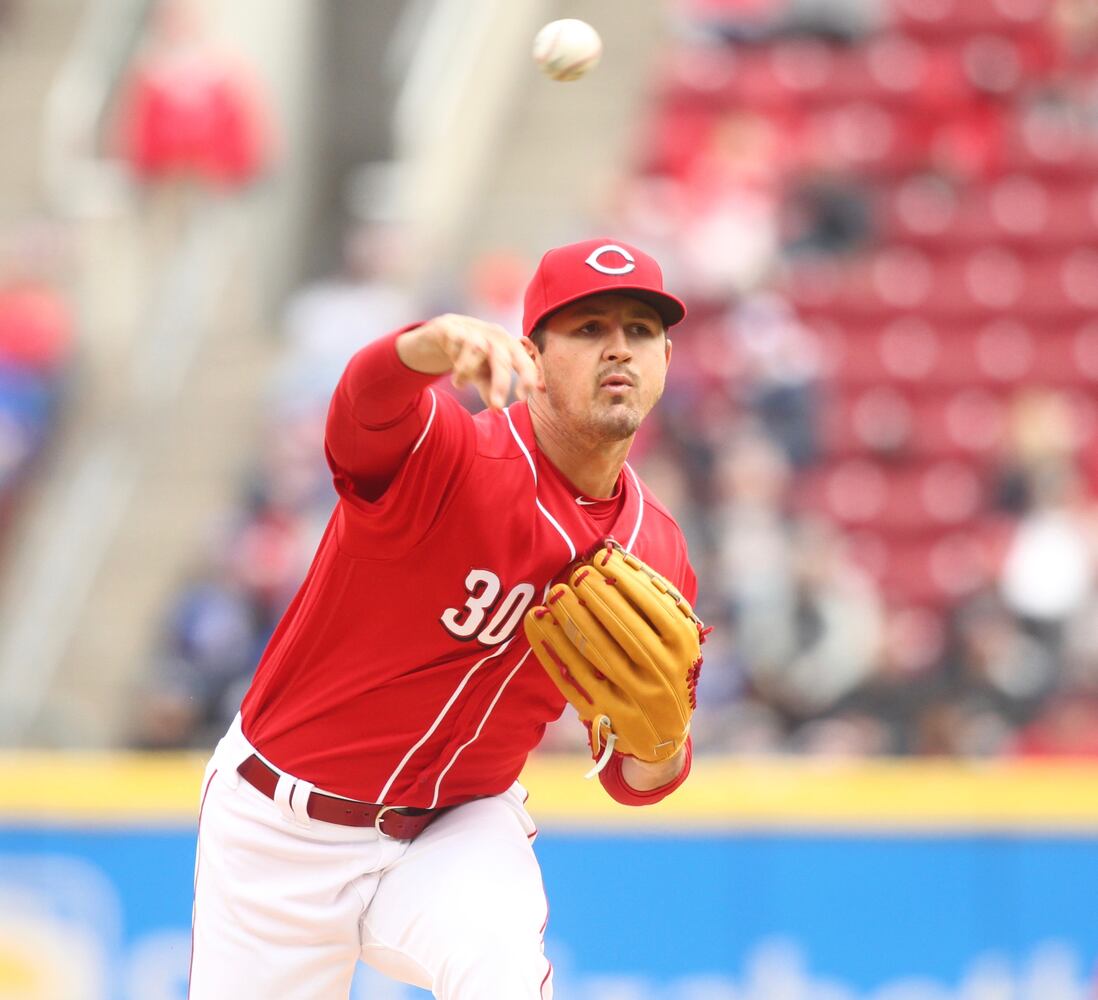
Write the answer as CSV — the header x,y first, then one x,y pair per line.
x,y
623,646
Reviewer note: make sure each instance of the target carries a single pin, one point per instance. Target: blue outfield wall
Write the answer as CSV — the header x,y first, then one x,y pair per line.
x,y
725,909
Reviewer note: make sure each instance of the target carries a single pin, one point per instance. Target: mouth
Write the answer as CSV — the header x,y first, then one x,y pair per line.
x,y
617,383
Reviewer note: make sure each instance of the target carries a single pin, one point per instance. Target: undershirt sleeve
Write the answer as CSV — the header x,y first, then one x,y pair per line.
x,y
377,413
619,791
690,586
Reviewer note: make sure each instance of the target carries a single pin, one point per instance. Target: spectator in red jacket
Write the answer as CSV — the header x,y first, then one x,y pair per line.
x,y
191,110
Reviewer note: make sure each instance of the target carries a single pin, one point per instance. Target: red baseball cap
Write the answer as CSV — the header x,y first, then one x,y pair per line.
x,y
570,273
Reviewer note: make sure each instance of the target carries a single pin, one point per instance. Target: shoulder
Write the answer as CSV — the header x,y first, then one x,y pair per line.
x,y
662,544
486,435
657,517
501,434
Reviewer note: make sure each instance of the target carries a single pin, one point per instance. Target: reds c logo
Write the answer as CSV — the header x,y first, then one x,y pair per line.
x,y
593,261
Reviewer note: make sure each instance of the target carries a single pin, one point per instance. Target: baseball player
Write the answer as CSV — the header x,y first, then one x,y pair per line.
x,y
365,803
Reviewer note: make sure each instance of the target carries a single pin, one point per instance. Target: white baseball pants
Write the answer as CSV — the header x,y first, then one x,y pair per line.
x,y
285,905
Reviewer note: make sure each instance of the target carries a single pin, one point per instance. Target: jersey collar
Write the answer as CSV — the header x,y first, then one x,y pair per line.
x,y
558,496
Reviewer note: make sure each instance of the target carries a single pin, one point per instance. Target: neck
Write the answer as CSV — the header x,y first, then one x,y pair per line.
x,y
591,465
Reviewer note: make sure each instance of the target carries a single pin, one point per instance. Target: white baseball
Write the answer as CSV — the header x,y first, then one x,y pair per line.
x,y
567,49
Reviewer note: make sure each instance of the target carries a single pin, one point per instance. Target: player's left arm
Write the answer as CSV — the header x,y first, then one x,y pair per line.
x,y
635,782
641,783
642,776
622,644
632,782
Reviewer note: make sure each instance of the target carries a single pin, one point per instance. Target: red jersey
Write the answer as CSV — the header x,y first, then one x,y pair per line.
x,y
400,673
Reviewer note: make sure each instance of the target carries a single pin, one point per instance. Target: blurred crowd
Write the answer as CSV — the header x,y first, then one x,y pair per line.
x,y
879,431
38,352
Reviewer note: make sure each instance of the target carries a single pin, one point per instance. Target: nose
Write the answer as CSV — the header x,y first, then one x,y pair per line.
x,y
616,347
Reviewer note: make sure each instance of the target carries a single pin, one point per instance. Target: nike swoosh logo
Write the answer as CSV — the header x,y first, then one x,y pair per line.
x,y
585,503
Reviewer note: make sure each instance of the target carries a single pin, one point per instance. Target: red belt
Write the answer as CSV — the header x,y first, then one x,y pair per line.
x,y
390,821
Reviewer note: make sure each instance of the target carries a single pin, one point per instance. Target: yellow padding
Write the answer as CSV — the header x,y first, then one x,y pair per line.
x,y
814,794
123,789
100,788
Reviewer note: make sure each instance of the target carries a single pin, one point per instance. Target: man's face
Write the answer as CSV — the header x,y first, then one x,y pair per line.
x,y
604,364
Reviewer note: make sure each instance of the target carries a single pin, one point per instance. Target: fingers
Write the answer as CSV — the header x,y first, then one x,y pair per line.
x,y
479,364
468,358
499,378
524,367
486,356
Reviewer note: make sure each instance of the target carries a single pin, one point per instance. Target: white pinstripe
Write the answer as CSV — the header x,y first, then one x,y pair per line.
x,y
426,426
534,472
640,509
441,715
476,735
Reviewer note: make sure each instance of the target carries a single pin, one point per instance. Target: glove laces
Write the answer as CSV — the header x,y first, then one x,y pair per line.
x,y
596,742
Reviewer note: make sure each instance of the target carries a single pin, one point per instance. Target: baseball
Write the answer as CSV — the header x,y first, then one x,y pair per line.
x,y
567,49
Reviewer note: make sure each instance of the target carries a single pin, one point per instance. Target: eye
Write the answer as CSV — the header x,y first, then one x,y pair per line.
x,y
642,330
589,328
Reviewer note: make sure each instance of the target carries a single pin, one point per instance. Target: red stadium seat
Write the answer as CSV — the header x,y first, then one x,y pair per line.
x,y
867,137
910,349
906,498
944,18
937,572
697,75
997,352
1063,287
968,421
903,350
1021,212
929,570
868,549
974,419
931,17
1073,214
1066,356
843,293
1011,213
973,284
752,82
878,421
902,276
855,491
890,69
1005,351
1018,208
1084,351
1049,140
968,140
921,210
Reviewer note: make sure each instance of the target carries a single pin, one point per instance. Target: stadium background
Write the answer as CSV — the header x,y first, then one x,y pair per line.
x,y
879,434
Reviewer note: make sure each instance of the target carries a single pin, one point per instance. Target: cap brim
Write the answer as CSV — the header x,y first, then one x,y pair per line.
x,y
671,310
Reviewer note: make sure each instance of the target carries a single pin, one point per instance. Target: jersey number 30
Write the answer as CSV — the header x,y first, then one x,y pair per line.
x,y
484,588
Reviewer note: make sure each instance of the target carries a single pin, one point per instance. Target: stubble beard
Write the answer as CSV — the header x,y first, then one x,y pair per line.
x,y
616,422
603,422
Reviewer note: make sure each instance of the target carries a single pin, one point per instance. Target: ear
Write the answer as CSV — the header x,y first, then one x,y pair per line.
x,y
667,352
535,355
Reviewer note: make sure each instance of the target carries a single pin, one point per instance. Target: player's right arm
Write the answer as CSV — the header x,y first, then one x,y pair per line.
x,y
480,354
379,408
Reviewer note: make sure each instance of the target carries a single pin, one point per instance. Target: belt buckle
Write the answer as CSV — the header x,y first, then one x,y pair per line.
x,y
377,823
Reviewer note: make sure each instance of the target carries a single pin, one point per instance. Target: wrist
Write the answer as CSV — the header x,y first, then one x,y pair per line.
x,y
645,776
421,350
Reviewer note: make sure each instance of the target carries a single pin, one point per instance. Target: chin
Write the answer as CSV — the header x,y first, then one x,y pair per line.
x,y
617,426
